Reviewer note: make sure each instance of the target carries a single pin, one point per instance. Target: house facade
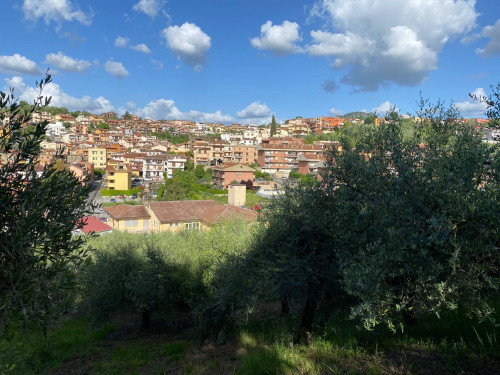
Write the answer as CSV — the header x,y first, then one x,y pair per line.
x,y
174,216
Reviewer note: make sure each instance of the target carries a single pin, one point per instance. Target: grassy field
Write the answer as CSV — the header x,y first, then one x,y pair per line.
x,y
450,345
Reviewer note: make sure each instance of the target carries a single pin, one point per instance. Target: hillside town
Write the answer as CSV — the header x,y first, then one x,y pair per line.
x,y
128,155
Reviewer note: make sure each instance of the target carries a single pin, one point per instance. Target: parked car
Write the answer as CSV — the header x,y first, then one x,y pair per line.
x,y
134,196
112,200
122,196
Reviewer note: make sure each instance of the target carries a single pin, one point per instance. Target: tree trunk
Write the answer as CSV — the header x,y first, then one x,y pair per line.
x,y
285,306
146,319
306,323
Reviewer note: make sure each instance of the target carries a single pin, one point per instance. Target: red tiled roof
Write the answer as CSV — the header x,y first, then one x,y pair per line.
x,y
209,211
91,224
126,211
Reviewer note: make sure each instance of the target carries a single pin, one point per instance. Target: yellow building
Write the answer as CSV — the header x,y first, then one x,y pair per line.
x,y
174,216
119,178
98,157
127,218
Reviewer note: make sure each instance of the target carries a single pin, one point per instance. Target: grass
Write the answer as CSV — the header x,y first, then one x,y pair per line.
x,y
450,345
252,198
32,353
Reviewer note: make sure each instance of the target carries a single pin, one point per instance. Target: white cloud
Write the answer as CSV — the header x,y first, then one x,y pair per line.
x,y
255,110
255,113
141,48
17,64
493,46
116,69
279,39
471,107
54,10
468,39
335,112
188,42
165,109
67,63
379,46
121,42
384,108
158,64
59,97
150,7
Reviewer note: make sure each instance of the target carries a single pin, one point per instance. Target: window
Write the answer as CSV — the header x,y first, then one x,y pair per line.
x,y
191,226
131,223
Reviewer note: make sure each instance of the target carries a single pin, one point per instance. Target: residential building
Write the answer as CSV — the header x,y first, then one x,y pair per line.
x,y
98,157
174,216
227,173
119,177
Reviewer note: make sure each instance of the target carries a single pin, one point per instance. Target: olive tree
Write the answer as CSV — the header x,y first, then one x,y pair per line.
x,y
39,209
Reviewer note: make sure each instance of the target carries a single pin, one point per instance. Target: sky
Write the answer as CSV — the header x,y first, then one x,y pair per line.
x,y
235,61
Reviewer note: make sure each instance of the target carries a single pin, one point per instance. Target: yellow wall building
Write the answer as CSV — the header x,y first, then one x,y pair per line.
x,y
119,179
98,157
173,216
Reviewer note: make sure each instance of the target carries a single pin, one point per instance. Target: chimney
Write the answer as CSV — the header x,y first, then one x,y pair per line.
x,y
237,194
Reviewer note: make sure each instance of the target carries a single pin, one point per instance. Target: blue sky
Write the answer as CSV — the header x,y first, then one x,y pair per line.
x,y
235,61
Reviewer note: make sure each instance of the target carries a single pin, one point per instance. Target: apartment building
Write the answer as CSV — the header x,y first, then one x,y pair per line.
x,y
155,166
98,157
119,177
282,157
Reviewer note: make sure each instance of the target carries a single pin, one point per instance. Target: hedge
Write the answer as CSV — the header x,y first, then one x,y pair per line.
x,y
112,193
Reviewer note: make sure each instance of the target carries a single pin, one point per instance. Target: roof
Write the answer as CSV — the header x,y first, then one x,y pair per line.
x,y
127,211
235,168
205,210
91,224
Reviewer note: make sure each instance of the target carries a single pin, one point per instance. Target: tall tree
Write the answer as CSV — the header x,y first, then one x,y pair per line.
x,y
273,126
39,209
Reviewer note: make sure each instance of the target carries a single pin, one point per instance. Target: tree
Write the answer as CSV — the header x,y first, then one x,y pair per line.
x,y
370,120
67,124
199,171
398,227
273,126
127,116
39,211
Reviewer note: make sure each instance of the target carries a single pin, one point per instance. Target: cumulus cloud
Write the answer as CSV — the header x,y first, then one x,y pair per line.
x,y
17,64
493,46
330,85
255,110
150,7
116,69
165,109
384,108
335,112
141,48
67,63
380,48
54,10
278,39
188,42
59,97
473,108
255,113
121,42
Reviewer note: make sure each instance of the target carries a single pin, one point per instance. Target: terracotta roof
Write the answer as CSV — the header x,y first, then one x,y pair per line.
x,y
205,210
126,211
91,224
234,168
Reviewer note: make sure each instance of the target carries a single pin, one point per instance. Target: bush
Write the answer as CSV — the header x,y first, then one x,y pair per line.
x,y
157,274
113,193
